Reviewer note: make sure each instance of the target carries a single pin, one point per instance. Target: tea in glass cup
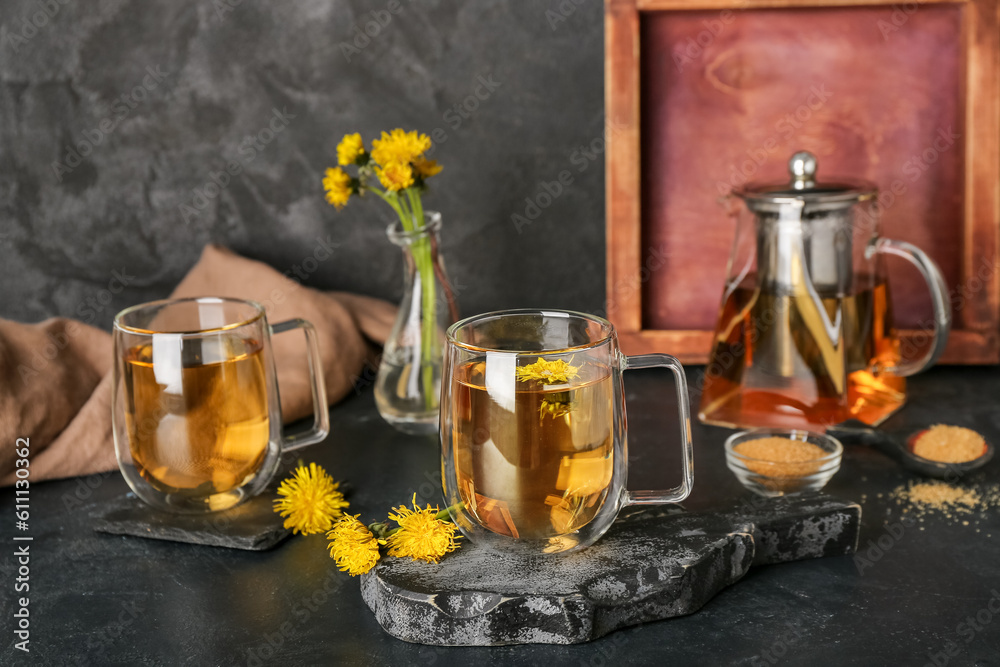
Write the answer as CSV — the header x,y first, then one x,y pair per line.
x,y
195,409
561,486
533,429
198,425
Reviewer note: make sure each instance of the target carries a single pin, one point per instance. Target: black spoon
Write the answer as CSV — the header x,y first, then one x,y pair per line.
x,y
899,446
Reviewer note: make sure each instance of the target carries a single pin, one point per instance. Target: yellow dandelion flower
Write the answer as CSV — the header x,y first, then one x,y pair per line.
x,y
421,535
352,546
399,146
350,148
554,407
311,500
555,371
395,176
426,168
337,184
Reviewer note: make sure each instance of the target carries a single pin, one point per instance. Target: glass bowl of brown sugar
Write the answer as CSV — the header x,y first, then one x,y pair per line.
x,y
777,462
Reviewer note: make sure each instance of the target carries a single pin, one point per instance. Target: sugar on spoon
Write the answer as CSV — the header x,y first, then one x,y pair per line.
x,y
900,446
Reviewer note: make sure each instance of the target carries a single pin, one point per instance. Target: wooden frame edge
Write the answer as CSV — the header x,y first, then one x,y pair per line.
x,y
623,291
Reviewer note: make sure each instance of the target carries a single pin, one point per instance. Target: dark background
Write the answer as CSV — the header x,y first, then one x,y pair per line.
x,y
226,65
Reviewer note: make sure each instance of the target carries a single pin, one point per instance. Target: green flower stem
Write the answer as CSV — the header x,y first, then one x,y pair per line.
x,y
392,200
446,512
428,338
407,213
418,208
378,529
412,219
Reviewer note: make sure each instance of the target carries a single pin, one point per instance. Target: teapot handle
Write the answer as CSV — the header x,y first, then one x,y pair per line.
x,y
940,301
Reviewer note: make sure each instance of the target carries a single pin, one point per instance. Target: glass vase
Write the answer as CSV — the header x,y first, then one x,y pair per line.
x,y
408,384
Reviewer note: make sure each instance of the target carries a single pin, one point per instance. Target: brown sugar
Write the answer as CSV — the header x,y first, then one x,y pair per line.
x,y
949,444
941,496
781,457
935,501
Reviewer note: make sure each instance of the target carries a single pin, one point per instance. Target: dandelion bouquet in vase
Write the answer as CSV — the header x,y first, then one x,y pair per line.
x,y
408,384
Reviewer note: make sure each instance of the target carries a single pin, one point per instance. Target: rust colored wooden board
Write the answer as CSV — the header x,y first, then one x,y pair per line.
x,y
701,101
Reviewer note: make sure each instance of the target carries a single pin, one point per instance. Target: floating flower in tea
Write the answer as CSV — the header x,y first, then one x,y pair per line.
x,y
549,372
546,371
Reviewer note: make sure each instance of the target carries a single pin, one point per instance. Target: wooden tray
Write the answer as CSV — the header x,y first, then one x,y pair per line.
x,y
704,94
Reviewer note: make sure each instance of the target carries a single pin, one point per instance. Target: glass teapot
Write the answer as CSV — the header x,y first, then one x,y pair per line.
x,y
805,337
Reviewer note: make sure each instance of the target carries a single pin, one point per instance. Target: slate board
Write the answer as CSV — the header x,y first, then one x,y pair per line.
x,y
252,526
654,563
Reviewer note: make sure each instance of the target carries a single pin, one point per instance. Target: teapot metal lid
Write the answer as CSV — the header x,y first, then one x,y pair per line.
x,y
804,188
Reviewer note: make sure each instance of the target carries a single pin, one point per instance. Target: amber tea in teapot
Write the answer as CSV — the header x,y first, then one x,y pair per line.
x,y
815,387
805,335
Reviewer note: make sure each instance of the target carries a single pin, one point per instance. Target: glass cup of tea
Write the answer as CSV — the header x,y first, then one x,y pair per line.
x,y
533,429
195,409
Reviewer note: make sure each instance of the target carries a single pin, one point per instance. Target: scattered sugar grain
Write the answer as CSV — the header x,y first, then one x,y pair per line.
x,y
936,499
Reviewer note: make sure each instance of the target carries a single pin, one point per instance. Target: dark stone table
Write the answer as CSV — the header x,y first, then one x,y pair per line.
x,y
112,600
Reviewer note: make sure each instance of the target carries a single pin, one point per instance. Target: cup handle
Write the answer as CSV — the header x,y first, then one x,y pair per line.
x,y
321,411
679,493
939,299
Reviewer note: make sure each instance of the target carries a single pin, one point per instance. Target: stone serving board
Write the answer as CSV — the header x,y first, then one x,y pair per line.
x,y
653,564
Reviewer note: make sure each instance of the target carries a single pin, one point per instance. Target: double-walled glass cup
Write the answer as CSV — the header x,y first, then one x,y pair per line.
x,y
533,429
195,408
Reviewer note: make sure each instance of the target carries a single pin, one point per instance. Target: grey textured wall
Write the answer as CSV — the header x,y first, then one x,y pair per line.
x,y
113,114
